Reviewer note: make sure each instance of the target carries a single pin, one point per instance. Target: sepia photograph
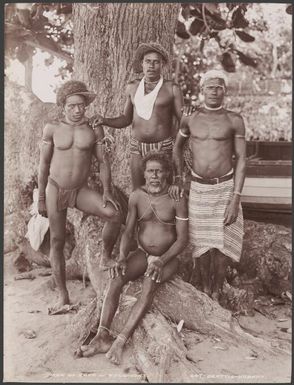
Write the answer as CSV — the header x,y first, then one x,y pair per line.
x,y
147,192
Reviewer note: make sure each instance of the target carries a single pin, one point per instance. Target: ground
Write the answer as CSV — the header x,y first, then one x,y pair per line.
x,y
48,357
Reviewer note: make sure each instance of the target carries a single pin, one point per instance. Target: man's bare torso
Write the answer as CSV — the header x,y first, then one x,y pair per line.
x,y
212,142
153,235
71,160
159,126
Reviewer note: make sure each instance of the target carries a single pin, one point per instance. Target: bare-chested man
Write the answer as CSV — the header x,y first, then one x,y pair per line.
x,y
162,227
66,153
151,105
215,213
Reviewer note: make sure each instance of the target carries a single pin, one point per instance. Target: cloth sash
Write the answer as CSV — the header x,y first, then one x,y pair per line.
x,y
207,205
144,103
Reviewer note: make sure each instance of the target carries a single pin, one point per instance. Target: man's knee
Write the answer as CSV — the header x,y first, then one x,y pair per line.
x,y
112,215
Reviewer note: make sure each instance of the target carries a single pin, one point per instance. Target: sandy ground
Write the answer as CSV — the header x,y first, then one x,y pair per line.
x,y
49,356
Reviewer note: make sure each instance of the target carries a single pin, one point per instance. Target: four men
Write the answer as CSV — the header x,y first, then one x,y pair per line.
x,y
158,214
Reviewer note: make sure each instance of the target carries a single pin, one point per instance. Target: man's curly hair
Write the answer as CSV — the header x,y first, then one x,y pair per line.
x,y
70,88
158,156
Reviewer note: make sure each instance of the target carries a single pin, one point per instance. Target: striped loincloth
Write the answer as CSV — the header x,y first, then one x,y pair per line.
x,y
143,149
207,205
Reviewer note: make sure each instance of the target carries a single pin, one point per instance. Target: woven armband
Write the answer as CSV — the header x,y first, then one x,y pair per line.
x,y
240,136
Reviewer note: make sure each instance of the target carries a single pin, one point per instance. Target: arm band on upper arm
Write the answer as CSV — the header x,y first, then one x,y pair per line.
x,y
46,141
98,141
183,134
182,219
240,136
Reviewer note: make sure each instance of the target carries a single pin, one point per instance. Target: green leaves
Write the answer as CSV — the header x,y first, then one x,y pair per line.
x,y
244,36
238,19
196,27
247,60
228,62
181,30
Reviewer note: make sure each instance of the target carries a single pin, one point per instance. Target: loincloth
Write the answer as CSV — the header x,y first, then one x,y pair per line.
x,y
65,197
207,205
141,148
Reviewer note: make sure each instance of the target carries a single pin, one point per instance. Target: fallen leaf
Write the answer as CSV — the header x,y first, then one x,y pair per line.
x,y
180,325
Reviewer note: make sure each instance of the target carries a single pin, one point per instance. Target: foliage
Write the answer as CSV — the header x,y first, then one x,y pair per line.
x,y
46,26
232,36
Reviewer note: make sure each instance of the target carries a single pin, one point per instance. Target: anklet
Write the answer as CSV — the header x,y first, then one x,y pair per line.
x,y
122,337
104,328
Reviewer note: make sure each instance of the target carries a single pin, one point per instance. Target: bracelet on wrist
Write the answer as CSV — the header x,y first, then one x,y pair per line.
x,y
237,193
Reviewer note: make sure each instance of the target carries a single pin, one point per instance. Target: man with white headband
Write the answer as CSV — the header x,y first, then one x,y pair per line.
x,y
216,135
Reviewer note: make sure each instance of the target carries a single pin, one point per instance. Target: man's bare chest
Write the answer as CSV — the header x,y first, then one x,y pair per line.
x,y
211,127
66,137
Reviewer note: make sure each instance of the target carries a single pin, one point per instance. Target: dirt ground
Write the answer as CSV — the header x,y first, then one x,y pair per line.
x,y
48,357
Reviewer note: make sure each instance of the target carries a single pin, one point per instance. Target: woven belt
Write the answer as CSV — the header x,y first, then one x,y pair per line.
x,y
212,180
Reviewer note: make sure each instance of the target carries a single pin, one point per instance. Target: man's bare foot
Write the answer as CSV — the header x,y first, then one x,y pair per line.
x,y
99,344
63,300
115,352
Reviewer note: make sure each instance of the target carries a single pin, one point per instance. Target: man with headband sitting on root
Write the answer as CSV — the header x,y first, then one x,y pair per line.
x,y
151,105
67,148
215,214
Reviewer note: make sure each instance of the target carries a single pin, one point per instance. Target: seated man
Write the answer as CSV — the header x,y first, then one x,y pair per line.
x,y
162,225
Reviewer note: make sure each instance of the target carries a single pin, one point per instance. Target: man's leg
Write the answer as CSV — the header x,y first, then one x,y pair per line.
x,y
138,311
137,171
221,262
90,202
136,267
205,272
57,225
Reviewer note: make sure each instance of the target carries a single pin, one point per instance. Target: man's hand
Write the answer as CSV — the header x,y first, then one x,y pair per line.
x,y
176,190
107,197
42,208
96,120
231,212
188,110
120,265
154,269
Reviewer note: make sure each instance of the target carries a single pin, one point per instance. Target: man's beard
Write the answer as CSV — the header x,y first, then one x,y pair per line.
x,y
152,189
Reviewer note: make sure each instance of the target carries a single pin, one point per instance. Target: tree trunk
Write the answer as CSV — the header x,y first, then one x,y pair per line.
x,y
28,64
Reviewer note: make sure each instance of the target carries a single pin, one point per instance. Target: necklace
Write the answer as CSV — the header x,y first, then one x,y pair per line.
x,y
213,108
155,82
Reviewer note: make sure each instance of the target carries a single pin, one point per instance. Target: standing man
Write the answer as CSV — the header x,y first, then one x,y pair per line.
x,y
66,153
162,226
215,214
151,104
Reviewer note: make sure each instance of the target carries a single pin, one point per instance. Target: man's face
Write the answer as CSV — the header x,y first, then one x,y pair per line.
x,y
74,108
155,176
213,92
152,65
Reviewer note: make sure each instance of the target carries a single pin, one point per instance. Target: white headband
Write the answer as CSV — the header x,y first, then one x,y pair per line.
x,y
214,74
